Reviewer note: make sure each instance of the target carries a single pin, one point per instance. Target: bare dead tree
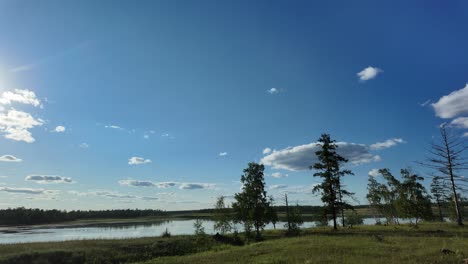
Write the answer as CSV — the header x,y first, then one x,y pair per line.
x,y
446,157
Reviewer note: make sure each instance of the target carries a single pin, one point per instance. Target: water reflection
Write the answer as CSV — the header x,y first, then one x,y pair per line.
x,y
119,230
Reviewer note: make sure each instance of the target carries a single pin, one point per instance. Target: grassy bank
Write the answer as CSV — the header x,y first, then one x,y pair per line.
x,y
369,244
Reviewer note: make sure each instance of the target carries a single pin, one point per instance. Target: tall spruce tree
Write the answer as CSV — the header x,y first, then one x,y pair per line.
x,y
328,168
252,206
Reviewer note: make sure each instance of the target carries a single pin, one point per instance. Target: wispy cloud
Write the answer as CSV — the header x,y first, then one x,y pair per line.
x,y
266,151
164,185
50,58
278,186
84,145
114,127
193,186
48,179
222,154
135,183
138,161
425,103
273,91
279,175
25,190
387,143
9,158
59,129
369,73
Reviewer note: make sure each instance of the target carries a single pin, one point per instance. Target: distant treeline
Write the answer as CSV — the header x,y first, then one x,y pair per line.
x,y
23,216
305,209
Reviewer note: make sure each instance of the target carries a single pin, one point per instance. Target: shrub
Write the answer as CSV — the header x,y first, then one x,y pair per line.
x,y
354,219
166,233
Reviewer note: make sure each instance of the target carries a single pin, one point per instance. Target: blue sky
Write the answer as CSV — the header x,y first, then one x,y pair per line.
x,y
161,104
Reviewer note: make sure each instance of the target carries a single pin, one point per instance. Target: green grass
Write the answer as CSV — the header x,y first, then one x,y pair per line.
x,y
101,251
370,244
362,244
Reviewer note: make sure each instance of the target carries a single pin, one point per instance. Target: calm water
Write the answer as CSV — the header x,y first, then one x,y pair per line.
x,y
10,235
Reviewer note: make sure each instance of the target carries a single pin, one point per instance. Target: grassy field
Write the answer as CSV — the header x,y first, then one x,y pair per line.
x,y
362,244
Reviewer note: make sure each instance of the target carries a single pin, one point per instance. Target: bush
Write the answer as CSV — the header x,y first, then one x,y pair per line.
x,y
166,233
321,222
354,219
199,229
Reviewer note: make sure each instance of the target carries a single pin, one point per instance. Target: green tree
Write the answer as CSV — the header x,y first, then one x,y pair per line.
x,y
375,197
293,218
439,194
272,214
354,218
414,199
222,217
252,205
199,229
328,168
390,195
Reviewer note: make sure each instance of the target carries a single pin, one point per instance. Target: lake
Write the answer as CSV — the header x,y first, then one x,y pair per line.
x,y
48,233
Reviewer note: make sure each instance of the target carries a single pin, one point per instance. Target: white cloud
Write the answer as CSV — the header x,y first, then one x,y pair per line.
x,y
453,104
368,73
425,103
374,172
279,175
113,127
138,161
145,136
25,67
465,134
9,158
164,185
108,194
19,96
59,129
16,124
24,190
193,186
222,154
278,186
273,91
301,157
149,198
386,144
266,151
84,145
298,189
48,179
135,183
460,122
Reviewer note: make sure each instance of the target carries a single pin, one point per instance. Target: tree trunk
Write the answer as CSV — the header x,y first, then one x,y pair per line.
x,y
340,196
440,211
287,212
452,181
334,216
